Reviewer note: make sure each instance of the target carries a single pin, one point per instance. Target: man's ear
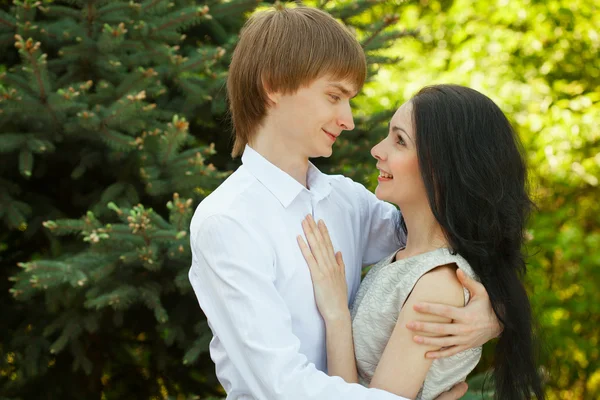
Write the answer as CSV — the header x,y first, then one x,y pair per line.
x,y
272,96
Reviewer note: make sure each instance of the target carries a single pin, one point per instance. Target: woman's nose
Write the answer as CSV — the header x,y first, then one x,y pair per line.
x,y
376,152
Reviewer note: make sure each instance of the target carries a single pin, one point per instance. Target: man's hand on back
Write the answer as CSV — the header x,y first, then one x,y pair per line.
x,y
455,393
472,325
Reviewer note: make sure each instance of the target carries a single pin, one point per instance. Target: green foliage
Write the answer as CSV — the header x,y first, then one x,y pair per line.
x,y
539,62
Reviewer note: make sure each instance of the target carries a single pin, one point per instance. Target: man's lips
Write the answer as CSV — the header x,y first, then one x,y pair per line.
x,y
331,135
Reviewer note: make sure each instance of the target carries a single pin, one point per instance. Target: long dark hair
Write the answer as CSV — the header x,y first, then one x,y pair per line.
x,y
476,181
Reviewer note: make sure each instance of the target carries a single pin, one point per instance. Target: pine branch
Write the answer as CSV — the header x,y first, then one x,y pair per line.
x,y
11,141
134,83
223,9
111,136
200,346
7,23
90,18
148,47
25,163
58,11
190,15
150,5
387,21
110,8
131,99
20,82
178,129
28,48
216,54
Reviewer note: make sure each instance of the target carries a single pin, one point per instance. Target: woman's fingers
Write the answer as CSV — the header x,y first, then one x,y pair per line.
x,y
320,245
313,238
340,260
313,266
327,242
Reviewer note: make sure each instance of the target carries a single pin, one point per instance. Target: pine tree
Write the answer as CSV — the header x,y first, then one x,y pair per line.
x,y
95,117
110,112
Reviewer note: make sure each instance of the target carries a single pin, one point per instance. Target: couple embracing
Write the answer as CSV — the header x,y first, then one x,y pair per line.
x,y
279,247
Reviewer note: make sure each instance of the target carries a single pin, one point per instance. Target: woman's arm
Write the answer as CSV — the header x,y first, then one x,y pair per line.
x,y
340,350
328,274
472,326
403,366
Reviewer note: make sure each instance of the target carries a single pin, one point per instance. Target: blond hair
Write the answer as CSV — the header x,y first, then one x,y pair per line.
x,y
282,50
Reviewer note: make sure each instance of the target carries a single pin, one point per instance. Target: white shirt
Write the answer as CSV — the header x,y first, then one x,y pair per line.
x,y
254,285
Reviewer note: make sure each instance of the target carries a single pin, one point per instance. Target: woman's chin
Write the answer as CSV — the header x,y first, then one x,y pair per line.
x,y
380,194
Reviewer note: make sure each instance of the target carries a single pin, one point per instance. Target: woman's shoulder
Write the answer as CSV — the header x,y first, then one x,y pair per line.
x,y
431,260
440,285
433,275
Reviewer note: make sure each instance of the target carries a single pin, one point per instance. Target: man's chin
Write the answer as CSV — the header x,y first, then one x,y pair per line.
x,y
322,153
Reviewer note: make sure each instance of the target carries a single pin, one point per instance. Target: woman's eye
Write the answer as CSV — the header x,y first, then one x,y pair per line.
x,y
401,141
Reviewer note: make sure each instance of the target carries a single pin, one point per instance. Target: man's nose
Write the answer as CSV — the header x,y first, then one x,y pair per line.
x,y
345,120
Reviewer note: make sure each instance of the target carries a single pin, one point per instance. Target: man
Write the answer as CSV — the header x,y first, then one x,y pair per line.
x,y
291,79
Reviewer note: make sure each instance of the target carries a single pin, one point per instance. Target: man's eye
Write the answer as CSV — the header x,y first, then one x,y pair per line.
x,y
334,97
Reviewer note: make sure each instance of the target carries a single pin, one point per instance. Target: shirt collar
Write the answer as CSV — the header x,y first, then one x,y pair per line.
x,y
280,183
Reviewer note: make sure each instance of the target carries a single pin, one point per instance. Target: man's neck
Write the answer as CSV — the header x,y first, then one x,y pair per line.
x,y
282,156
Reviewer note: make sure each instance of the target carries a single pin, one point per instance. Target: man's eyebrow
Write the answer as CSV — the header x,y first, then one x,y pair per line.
x,y
344,90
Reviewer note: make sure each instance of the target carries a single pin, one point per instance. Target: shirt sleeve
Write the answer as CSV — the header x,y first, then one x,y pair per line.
x,y
232,275
379,220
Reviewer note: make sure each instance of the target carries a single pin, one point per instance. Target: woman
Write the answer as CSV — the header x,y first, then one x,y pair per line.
x,y
451,163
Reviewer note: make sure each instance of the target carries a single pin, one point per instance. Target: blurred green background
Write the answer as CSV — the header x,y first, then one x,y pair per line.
x,y
96,303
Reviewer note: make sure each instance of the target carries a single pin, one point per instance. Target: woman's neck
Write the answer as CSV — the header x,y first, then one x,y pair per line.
x,y
424,232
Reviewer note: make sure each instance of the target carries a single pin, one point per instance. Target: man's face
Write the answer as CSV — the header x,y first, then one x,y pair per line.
x,y
311,119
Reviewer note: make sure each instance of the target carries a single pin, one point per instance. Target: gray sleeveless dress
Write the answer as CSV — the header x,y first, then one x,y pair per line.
x,y
376,309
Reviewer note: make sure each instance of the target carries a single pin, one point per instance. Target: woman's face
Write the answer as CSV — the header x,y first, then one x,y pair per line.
x,y
399,178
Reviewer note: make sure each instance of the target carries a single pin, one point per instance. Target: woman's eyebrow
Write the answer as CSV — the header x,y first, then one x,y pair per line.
x,y
396,129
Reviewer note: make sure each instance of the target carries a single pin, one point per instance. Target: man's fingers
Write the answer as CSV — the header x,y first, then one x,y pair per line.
x,y
458,391
439,342
438,329
447,352
471,284
440,310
